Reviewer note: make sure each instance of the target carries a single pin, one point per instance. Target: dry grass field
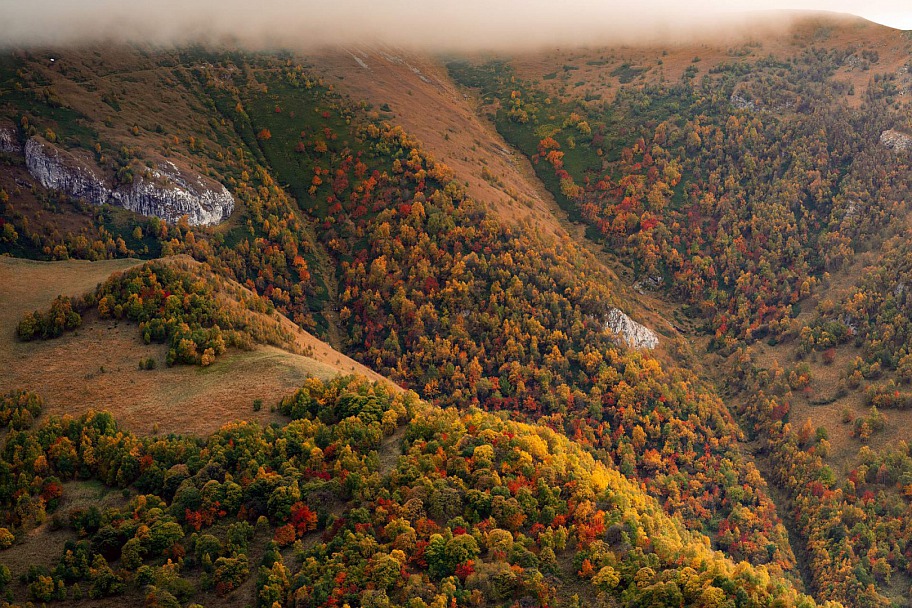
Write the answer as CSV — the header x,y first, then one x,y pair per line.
x,y
97,366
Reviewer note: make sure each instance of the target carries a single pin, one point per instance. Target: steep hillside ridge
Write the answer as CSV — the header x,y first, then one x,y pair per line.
x,y
414,91
475,506
98,365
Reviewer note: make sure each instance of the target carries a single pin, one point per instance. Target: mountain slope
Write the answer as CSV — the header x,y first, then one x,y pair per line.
x,y
440,293
752,186
414,91
352,226
475,509
98,365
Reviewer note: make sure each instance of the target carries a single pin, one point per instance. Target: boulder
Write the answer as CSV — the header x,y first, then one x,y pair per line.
x,y
630,332
9,138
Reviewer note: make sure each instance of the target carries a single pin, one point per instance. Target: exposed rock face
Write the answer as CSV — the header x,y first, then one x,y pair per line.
x,y
630,332
169,194
166,193
57,169
648,284
9,140
896,140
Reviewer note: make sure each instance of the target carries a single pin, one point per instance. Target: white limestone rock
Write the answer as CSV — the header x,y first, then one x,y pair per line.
x,y
170,194
742,103
630,332
57,169
167,192
896,140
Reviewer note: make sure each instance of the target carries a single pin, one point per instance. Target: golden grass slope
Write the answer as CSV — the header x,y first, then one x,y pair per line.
x,y
429,106
97,366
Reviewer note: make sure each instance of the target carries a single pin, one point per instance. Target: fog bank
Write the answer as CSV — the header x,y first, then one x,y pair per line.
x,y
425,24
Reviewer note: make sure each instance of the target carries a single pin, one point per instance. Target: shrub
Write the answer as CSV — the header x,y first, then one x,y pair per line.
x,y
230,572
49,324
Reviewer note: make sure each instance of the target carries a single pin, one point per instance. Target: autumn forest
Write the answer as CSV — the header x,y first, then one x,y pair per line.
x,y
605,326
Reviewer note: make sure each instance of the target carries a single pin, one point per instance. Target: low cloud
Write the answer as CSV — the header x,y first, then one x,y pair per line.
x,y
427,24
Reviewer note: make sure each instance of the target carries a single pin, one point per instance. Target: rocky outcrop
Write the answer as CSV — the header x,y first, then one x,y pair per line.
x,y
629,331
57,169
896,140
9,138
170,194
652,283
742,103
166,192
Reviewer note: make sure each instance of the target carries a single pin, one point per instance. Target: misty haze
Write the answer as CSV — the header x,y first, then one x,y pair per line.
x,y
433,25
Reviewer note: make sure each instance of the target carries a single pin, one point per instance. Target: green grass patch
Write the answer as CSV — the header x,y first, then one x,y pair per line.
x,y
298,128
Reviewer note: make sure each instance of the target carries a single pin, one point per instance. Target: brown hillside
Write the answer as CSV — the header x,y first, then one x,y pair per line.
x,y
96,367
586,73
428,105
133,99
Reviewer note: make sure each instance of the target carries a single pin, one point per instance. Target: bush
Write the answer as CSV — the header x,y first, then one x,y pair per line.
x,y
49,324
19,408
105,582
6,576
230,572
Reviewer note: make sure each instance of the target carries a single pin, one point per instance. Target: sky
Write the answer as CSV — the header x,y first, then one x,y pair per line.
x,y
435,24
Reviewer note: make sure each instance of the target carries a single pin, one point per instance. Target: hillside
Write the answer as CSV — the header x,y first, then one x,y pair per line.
x,y
618,281
97,366
392,492
597,74
742,192
374,257
415,92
